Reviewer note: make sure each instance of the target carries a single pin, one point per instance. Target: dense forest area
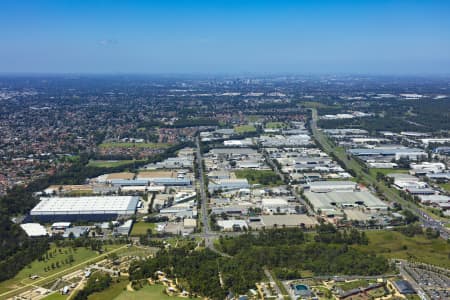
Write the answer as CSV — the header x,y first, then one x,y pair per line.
x,y
286,251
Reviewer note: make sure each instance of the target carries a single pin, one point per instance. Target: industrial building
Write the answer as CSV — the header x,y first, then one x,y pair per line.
x,y
331,201
34,229
99,208
330,186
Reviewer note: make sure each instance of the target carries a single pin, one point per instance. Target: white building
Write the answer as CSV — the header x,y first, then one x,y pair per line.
x,y
275,205
329,186
34,229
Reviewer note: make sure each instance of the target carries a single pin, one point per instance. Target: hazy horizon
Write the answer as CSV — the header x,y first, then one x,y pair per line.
x,y
225,37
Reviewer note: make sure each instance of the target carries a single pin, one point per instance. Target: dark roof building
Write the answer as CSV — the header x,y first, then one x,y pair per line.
x,y
404,287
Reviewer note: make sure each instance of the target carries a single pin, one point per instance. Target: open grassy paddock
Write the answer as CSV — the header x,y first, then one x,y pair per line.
x,y
244,128
115,289
55,296
374,171
393,244
141,228
154,292
133,145
264,177
56,256
111,163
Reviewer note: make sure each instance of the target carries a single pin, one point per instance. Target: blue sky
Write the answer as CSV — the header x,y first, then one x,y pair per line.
x,y
380,37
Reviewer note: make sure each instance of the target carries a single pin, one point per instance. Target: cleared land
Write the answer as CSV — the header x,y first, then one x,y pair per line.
x,y
133,145
111,163
244,128
264,177
392,244
141,228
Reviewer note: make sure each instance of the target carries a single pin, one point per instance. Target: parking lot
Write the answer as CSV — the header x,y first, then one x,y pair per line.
x,y
435,282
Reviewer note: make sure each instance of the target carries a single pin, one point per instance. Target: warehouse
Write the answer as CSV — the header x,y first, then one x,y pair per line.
x,y
100,208
332,200
329,186
34,229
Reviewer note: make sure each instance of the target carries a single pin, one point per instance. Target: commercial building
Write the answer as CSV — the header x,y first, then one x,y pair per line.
x,y
227,185
275,205
34,229
329,186
99,208
331,201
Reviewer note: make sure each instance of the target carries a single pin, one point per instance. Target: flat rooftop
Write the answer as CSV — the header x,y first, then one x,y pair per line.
x,y
332,200
86,205
288,220
157,174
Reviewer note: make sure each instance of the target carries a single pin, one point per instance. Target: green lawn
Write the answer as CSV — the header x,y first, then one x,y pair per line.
x,y
110,163
133,145
140,228
112,292
244,128
38,267
374,171
346,286
154,292
56,296
391,245
445,186
275,125
264,177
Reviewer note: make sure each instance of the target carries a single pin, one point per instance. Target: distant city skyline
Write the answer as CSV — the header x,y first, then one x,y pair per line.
x,y
368,37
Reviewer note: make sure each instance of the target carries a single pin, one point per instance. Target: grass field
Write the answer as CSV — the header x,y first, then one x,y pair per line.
x,y
374,171
112,292
133,145
110,163
244,128
349,285
275,125
445,186
391,244
264,177
37,267
141,228
55,296
154,292
80,256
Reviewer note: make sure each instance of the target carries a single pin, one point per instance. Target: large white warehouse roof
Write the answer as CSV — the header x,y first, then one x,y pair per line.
x,y
86,205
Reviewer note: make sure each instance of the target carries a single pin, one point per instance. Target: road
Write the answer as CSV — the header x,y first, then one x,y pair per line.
x,y
206,229
60,273
275,168
391,194
415,285
275,285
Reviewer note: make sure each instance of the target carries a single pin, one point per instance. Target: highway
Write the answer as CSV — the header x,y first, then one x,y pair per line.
x,y
389,193
207,234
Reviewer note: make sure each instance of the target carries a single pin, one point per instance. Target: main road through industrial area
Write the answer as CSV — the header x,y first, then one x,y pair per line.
x,y
351,164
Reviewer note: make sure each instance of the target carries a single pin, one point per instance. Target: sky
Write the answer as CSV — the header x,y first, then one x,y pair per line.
x,y
234,36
